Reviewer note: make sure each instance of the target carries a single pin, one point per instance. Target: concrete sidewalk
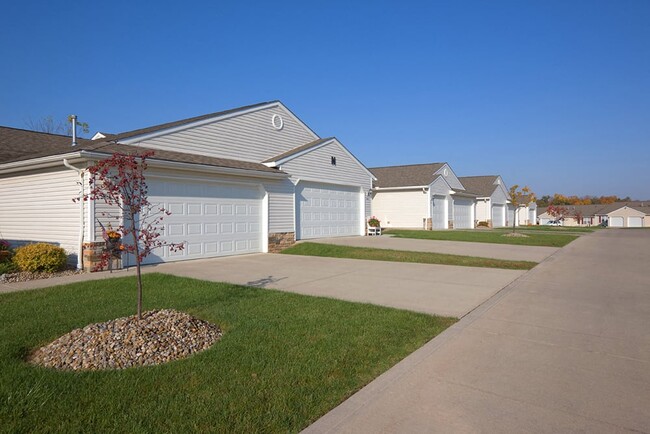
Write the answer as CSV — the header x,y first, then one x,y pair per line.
x,y
483,250
563,349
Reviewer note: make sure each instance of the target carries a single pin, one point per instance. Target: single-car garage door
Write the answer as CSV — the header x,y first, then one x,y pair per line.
x,y
635,222
210,219
326,210
463,215
498,215
616,222
438,215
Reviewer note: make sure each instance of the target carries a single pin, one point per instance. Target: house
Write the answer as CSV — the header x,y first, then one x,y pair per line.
x,y
246,180
491,200
418,196
617,214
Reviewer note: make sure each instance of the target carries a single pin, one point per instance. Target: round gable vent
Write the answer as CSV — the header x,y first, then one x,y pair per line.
x,y
277,122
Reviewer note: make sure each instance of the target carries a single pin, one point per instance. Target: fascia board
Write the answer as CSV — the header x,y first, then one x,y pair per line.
x,y
410,187
153,162
40,162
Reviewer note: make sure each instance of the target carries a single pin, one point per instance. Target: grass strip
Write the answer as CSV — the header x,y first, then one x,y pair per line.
x,y
479,236
335,251
284,360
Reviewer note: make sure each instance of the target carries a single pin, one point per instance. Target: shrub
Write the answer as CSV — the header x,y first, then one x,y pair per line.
x,y
4,246
40,257
483,224
7,267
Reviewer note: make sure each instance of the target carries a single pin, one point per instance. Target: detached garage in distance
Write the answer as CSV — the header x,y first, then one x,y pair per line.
x,y
247,180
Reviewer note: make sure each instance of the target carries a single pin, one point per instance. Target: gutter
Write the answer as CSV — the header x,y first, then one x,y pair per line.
x,y
80,263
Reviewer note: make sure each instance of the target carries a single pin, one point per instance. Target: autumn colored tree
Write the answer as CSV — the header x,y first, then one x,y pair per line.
x,y
119,182
519,198
557,211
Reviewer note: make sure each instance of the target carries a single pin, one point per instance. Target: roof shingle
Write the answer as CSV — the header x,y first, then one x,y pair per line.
x,y
405,176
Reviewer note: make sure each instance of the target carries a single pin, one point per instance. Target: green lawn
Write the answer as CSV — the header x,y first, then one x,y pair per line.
x,y
333,251
552,229
487,236
284,360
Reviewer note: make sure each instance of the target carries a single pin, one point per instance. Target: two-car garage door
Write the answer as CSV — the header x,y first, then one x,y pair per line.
x,y
326,210
210,219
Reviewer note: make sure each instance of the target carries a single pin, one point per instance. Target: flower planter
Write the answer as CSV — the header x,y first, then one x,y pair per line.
x,y
5,255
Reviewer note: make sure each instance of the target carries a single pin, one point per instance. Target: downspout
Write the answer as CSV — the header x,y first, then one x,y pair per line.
x,y
80,262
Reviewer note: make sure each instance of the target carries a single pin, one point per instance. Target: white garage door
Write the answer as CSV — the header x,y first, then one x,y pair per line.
x,y
616,222
635,222
438,218
209,219
463,218
498,215
326,210
544,220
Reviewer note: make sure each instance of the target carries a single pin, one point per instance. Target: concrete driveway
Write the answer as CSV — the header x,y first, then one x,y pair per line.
x,y
563,349
483,250
433,289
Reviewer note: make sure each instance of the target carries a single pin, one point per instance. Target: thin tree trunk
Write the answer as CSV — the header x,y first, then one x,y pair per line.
x,y
137,266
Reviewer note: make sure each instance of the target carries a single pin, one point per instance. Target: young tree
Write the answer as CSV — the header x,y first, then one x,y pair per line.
x,y
519,198
557,211
119,182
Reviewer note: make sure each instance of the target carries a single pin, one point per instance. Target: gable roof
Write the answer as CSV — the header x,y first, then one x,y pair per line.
x,y
406,176
482,186
602,209
167,125
20,145
297,150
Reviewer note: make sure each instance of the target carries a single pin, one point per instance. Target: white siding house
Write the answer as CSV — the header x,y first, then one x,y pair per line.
x,y
234,182
421,196
491,200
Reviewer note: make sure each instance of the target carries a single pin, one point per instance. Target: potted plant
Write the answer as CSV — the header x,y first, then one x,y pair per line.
x,y
5,251
374,222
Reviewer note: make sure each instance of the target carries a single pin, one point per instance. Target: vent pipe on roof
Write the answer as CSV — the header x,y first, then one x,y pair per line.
x,y
73,119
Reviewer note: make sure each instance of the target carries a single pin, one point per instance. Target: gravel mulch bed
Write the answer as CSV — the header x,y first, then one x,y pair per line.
x,y
515,235
24,276
159,337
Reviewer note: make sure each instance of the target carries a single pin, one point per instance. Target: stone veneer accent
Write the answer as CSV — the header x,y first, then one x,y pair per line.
x,y
428,224
92,256
279,241
450,224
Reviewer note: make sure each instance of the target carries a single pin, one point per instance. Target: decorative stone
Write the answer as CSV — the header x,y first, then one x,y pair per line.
x,y
159,337
278,241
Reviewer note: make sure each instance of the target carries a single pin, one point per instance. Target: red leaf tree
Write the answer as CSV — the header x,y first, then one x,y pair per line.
x,y
119,182
557,211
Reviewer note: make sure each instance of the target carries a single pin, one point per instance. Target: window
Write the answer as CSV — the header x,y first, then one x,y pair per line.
x,y
333,160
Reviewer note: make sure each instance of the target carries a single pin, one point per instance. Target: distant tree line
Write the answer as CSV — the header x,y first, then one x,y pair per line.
x,y
560,199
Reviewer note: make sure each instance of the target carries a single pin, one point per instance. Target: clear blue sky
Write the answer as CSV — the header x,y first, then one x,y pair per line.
x,y
554,93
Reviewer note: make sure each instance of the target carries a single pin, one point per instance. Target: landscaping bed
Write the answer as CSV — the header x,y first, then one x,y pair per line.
x,y
283,361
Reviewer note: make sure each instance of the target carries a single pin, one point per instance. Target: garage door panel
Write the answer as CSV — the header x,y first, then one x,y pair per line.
x,y
616,222
463,214
209,219
327,210
635,222
438,218
498,215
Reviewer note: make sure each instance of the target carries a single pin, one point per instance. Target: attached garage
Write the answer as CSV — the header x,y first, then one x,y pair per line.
x,y
210,219
498,215
635,222
463,213
616,222
326,210
438,217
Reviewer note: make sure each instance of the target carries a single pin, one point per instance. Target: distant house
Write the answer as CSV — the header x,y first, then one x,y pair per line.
x,y
618,215
422,196
245,180
491,200
525,214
